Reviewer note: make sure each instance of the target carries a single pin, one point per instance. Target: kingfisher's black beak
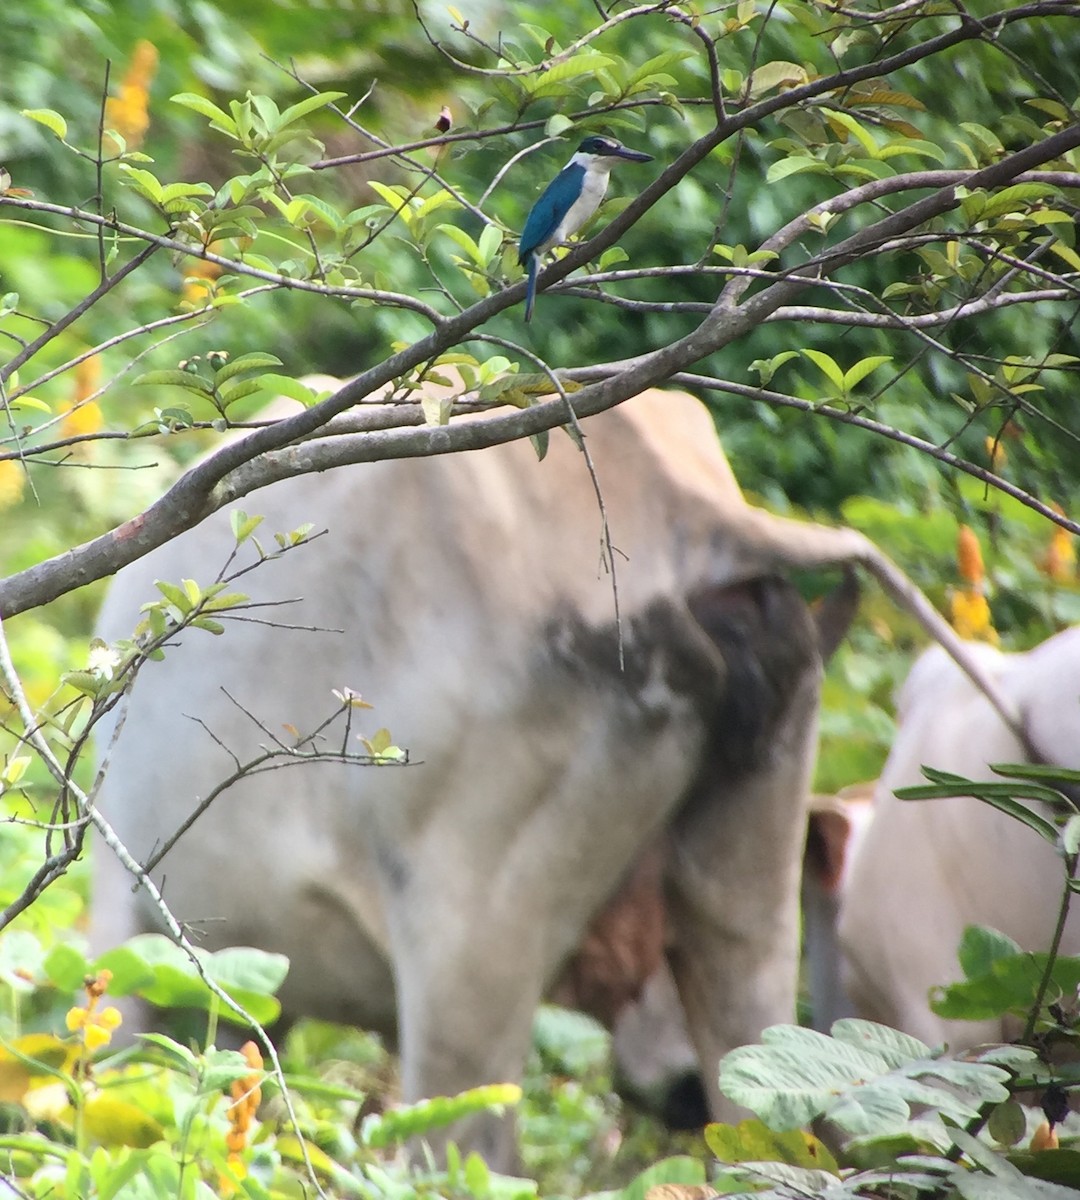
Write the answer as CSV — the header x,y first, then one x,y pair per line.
x,y
632,155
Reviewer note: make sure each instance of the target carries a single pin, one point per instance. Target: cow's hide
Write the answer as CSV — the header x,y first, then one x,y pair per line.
x,y
926,869
438,902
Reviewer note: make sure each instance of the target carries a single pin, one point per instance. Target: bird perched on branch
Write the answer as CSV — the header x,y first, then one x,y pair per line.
x,y
567,202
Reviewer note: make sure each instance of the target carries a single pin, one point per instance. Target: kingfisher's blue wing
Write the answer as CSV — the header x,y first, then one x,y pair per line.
x,y
554,203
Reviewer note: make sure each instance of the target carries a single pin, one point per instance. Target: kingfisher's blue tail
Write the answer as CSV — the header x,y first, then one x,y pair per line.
x,y
530,291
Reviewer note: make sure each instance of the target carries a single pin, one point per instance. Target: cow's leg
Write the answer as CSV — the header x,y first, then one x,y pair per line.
x,y
737,844
467,994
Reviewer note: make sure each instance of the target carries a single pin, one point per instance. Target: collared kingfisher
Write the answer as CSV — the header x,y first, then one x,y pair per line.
x,y
567,202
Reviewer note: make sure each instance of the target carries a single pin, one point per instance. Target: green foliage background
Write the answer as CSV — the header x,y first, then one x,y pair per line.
x,y
54,57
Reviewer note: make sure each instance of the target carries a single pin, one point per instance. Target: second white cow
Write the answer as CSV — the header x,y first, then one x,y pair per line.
x,y
926,869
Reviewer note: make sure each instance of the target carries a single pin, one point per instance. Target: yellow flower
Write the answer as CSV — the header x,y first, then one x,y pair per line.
x,y
246,1097
128,112
99,1030
968,556
12,482
995,452
197,286
76,1019
970,616
1060,560
199,276
95,1026
82,415
80,420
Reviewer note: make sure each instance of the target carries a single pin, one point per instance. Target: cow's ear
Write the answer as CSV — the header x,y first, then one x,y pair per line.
x,y
834,612
763,621
828,833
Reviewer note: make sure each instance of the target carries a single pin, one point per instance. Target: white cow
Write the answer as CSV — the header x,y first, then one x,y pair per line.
x,y
926,869
439,901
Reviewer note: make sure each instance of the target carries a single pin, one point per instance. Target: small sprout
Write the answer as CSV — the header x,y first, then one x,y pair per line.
x,y
381,748
347,698
821,220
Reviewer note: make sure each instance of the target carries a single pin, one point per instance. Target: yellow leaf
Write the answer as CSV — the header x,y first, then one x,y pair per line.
x,y
14,1080
113,1122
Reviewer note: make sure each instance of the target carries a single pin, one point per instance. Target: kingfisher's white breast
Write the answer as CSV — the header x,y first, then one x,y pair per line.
x,y
592,192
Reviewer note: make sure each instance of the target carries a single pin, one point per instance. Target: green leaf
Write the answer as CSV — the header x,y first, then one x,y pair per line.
x,y
1008,986
847,121
1016,198
15,769
303,108
255,361
772,74
794,165
66,968
285,385
1007,1124
414,1120
52,121
914,146
827,365
1036,772
554,81
659,64
432,204
248,975
1067,254
611,257
894,1048
436,408
174,594
179,191
242,525
856,374
794,1075
1070,835
767,367
174,378
490,242
1005,797
981,947
144,182
462,239
218,117
232,392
